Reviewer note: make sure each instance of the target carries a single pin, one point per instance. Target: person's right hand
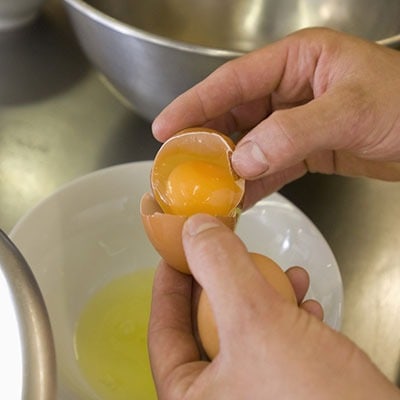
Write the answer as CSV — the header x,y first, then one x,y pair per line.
x,y
318,101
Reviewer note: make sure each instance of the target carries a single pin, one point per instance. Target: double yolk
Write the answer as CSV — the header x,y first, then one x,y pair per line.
x,y
198,186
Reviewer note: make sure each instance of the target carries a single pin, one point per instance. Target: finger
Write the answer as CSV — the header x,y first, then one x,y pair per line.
x,y
234,83
237,291
288,137
241,81
314,308
241,119
196,291
171,342
259,188
300,281
325,162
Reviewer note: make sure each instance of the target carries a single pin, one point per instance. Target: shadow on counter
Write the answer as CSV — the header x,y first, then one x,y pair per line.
x,y
38,61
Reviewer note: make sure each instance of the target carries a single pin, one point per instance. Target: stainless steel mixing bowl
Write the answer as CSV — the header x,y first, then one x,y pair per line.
x,y
16,13
36,338
152,50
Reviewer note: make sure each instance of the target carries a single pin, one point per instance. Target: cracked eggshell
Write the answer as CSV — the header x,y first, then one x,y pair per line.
x,y
165,231
194,144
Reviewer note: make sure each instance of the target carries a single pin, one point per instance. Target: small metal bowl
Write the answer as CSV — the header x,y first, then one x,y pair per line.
x,y
151,51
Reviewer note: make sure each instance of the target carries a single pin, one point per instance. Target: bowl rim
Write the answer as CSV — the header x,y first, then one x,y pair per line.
x,y
127,29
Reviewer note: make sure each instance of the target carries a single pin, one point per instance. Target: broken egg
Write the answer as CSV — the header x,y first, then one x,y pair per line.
x,y
191,174
205,319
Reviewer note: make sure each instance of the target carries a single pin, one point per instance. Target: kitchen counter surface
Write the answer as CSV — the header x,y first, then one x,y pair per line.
x,y
58,121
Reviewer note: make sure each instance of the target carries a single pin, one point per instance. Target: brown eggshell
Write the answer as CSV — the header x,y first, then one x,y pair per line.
x,y
165,232
205,319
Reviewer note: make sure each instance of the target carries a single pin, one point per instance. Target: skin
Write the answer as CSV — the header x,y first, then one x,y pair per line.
x,y
316,101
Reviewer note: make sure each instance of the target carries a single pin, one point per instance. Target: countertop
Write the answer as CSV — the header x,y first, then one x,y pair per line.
x,y
58,121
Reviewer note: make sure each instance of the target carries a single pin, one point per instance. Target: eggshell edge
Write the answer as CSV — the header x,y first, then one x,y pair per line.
x,y
165,231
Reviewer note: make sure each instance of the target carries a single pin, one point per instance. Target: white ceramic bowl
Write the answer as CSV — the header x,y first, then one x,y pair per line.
x,y
89,232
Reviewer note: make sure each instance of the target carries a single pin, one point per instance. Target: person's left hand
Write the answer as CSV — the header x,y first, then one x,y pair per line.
x,y
269,348
173,339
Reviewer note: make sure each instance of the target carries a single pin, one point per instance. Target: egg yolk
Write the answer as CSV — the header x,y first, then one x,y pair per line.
x,y
199,186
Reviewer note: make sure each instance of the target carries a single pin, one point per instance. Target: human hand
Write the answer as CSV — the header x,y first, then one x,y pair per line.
x,y
269,348
318,101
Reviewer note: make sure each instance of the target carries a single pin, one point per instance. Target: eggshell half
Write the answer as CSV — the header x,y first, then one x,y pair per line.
x,y
191,144
165,232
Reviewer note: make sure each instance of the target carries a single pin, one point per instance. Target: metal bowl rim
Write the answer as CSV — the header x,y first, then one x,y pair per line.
x,y
126,29
130,30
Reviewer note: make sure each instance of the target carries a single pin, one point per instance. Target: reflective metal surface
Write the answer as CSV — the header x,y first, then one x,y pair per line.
x,y
58,121
153,50
15,13
38,353
246,25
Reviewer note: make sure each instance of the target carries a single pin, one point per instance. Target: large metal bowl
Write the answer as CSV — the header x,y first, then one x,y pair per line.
x,y
151,51
29,359
16,13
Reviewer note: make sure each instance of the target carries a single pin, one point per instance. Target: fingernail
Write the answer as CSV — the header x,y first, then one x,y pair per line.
x,y
200,223
249,160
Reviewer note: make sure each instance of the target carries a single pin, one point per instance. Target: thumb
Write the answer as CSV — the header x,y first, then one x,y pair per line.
x,y
288,137
237,291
